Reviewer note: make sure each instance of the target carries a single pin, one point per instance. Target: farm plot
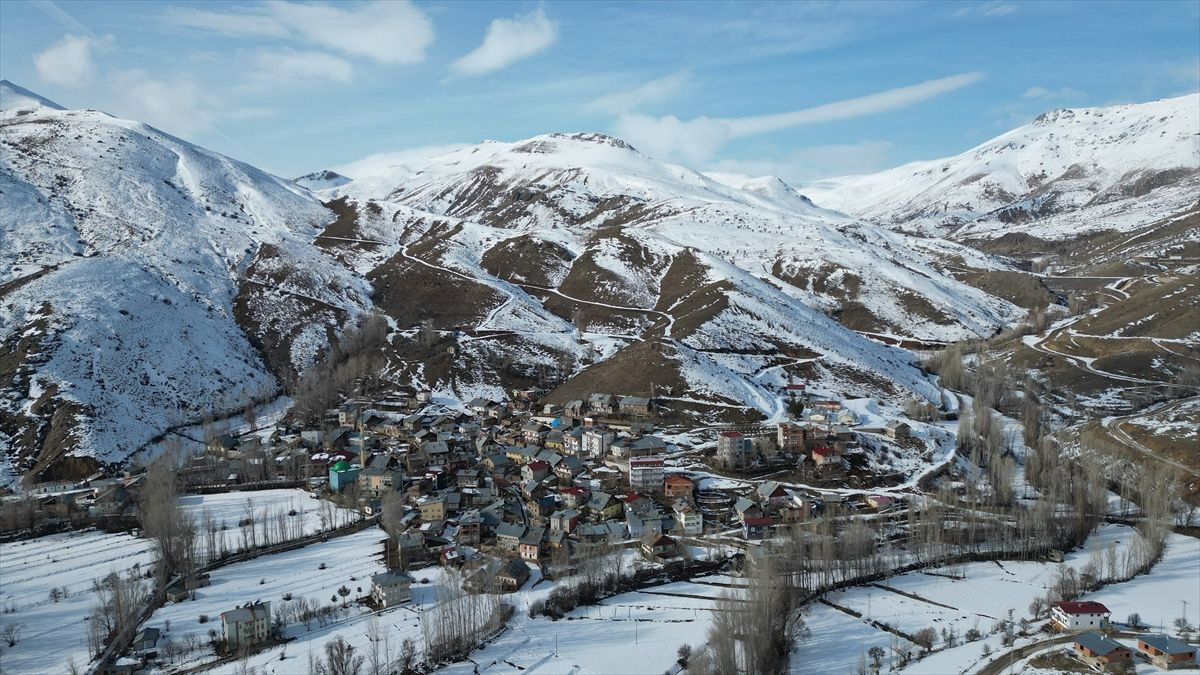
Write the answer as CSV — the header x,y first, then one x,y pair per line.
x,y
69,562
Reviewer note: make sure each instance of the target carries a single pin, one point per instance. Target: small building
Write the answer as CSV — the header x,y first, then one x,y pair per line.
x,y
733,449
678,486
897,429
341,475
595,442
145,643
756,528
634,405
1081,615
512,575
771,492
1167,652
246,626
688,519
1100,652
658,546
533,544
823,456
391,588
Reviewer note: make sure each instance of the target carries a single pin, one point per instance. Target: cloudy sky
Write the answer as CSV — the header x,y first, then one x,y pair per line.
x,y
800,90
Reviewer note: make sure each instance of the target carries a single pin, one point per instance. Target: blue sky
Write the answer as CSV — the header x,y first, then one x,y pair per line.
x,y
800,90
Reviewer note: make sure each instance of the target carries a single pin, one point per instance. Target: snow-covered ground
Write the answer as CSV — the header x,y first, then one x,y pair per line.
x,y
54,634
315,572
267,508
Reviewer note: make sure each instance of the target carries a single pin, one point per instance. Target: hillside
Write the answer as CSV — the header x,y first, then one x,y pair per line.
x,y
142,280
572,259
146,282
1068,173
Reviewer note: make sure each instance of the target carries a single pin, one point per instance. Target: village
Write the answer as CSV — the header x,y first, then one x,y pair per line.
x,y
503,495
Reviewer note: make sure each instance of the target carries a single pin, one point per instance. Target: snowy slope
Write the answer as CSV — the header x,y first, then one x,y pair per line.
x,y
573,189
1069,172
124,253
582,251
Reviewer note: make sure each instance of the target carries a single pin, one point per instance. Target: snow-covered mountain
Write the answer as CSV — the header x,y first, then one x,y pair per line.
x,y
145,281
574,251
1067,173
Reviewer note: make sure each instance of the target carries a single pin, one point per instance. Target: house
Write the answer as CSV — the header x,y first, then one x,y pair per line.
x,y
342,474
1082,615
348,414
824,456
733,449
512,575
646,473
573,441
379,478
574,497
603,506
508,536
574,408
535,471
532,545
659,546
568,469
389,589
756,528
745,509
1100,652
433,509
564,521
554,440
533,432
246,626
634,405
688,519
646,445
791,438
596,442
1167,652
897,429
771,492
145,642
678,486
602,403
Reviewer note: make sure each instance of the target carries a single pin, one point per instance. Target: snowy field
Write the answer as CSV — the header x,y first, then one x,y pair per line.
x,y
269,508
29,569
348,561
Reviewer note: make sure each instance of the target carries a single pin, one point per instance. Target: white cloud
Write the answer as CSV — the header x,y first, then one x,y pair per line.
x,y
68,62
814,162
992,9
696,141
287,65
654,91
508,41
1059,94
392,32
179,106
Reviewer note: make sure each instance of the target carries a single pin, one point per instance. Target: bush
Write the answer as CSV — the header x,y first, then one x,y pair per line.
x,y
203,618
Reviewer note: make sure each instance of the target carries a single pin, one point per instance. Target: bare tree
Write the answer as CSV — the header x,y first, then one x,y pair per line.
x,y
340,659
172,530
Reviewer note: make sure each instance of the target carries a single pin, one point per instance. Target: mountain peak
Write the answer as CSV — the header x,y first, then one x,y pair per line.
x,y
13,97
548,143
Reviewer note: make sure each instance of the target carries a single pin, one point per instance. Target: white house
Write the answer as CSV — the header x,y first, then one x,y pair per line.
x,y
1083,615
246,626
688,519
391,588
595,442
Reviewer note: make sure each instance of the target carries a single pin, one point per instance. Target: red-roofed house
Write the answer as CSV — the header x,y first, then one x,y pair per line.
x,y
756,528
1083,615
822,456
